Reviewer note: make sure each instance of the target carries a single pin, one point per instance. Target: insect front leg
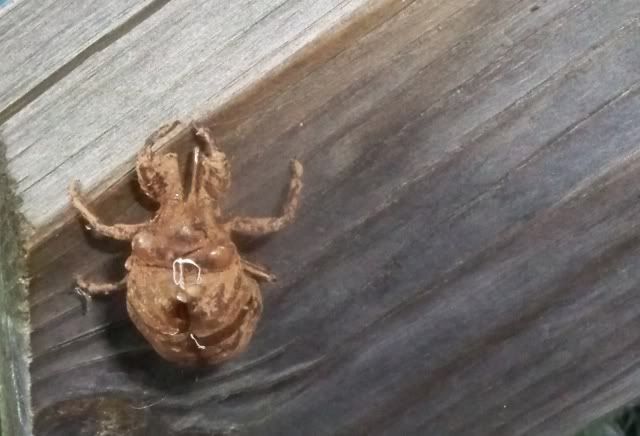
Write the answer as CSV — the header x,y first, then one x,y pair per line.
x,y
262,226
258,271
205,136
159,176
124,232
94,288
86,289
213,175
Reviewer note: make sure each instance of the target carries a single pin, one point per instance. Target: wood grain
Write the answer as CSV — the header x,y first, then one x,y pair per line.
x,y
42,41
184,57
465,260
15,383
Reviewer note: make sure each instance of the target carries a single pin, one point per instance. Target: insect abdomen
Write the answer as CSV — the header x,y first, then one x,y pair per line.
x,y
215,330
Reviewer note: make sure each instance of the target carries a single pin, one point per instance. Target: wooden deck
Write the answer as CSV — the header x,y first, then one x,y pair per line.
x,y
466,256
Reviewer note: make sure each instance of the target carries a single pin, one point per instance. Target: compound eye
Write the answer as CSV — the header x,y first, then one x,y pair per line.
x,y
142,244
219,257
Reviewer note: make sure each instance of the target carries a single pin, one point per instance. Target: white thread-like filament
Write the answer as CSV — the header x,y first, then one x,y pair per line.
x,y
178,273
202,347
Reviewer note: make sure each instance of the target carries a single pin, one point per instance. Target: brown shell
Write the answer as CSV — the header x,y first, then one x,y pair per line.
x,y
214,328
211,328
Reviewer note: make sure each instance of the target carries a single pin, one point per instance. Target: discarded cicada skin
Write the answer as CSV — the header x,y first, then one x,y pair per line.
x,y
189,292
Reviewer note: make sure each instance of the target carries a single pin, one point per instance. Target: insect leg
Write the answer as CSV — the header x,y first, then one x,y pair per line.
x,y
123,232
205,135
258,271
93,288
263,226
86,290
212,173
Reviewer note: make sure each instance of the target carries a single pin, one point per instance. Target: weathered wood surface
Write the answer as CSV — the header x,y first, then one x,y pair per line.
x,y
15,398
41,41
465,260
105,92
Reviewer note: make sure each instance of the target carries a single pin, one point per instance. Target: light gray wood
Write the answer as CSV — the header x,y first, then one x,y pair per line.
x,y
39,39
188,57
7,5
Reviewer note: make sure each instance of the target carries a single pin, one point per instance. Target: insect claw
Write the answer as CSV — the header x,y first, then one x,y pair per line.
x,y
204,134
74,187
85,298
296,167
200,131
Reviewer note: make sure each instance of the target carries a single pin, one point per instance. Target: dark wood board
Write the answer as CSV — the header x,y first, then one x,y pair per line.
x,y
14,311
465,259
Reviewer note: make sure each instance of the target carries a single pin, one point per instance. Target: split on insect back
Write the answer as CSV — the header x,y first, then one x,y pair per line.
x,y
189,292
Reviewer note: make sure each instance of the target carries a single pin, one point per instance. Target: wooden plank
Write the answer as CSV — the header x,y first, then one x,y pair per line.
x,y
42,41
465,260
15,387
188,56
6,5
